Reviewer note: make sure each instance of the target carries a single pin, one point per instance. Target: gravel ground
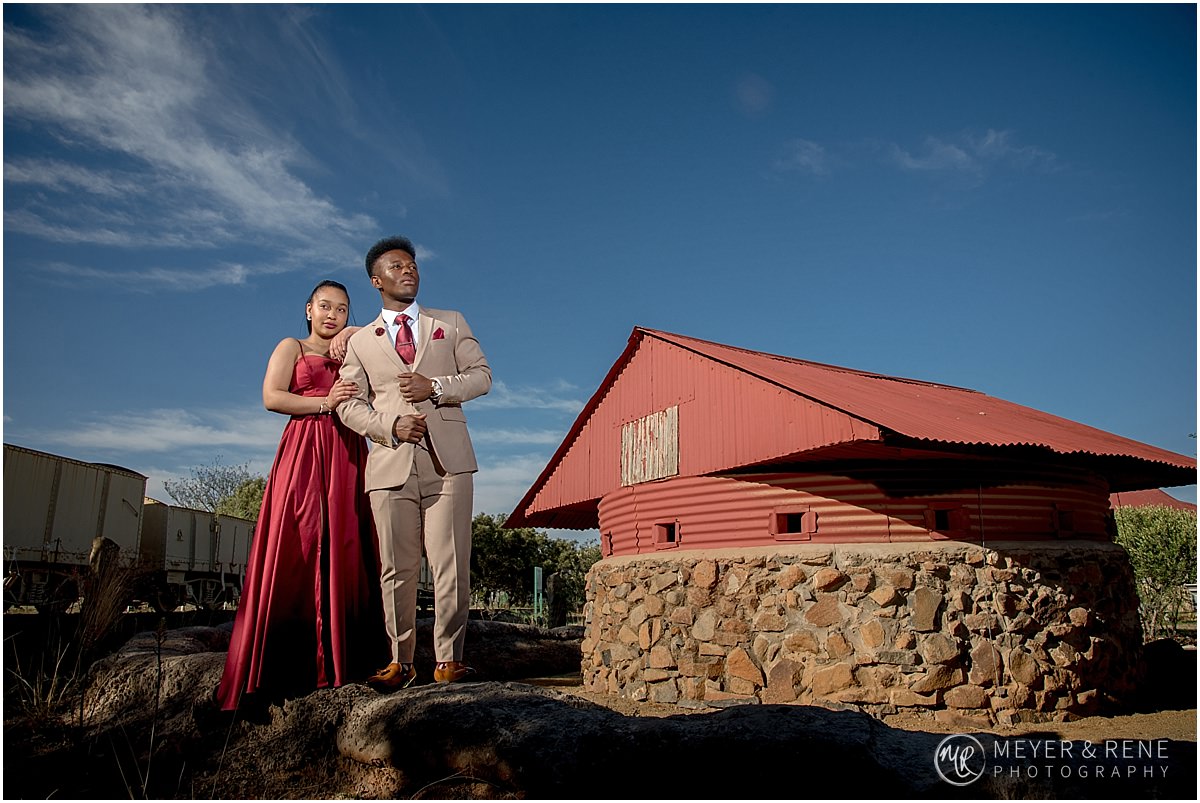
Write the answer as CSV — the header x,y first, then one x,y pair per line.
x,y
1167,724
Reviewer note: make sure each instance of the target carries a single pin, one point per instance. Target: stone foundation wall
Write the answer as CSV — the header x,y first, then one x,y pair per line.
x,y
1013,632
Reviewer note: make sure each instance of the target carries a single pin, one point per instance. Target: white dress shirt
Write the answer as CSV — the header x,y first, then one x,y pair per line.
x,y
412,311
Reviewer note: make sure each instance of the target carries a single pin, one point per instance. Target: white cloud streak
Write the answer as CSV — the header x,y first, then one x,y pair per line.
x,y
135,85
937,155
968,155
804,156
518,437
560,397
973,154
501,484
167,430
53,174
149,280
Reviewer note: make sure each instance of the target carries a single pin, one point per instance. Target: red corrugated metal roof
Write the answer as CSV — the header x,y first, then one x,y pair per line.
x,y
917,412
1153,497
928,411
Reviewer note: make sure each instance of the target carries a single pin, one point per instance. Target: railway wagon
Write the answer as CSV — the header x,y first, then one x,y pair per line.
x,y
55,511
198,557
60,514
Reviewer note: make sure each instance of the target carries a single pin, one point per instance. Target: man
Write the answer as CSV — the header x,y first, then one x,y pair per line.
x,y
414,367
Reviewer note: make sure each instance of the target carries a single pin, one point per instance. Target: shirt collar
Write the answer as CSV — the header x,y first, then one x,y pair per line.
x,y
412,311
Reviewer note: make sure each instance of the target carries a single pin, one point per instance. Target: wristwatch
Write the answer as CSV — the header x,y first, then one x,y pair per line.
x,y
436,395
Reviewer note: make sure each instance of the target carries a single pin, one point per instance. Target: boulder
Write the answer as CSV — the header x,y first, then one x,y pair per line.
x,y
150,720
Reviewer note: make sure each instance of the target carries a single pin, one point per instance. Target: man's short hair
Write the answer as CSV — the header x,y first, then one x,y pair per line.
x,y
388,244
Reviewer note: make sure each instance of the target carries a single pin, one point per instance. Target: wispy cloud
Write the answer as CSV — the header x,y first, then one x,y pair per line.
x,y
997,146
138,86
170,430
53,174
804,156
965,155
973,154
99,226
149,280
560,396
518,437
936,155
501,484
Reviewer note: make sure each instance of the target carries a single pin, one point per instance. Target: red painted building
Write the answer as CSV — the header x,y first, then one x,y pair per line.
x,y
692,444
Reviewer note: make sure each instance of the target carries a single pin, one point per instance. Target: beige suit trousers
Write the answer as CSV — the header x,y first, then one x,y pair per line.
x,y
439,505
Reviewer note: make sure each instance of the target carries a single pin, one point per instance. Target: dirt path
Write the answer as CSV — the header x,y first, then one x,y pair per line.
x,y
1178,725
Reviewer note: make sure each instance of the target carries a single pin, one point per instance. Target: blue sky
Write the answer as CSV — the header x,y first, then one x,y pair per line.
x,y
991,196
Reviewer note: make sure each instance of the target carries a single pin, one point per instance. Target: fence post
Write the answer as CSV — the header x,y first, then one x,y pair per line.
x,y
538,607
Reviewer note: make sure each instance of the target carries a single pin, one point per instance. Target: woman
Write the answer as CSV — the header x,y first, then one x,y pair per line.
x,y
310,614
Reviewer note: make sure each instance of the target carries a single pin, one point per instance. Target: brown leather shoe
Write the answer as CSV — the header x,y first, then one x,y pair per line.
x,y
452,672
393,676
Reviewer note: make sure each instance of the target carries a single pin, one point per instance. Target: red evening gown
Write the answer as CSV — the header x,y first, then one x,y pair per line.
x,y
310,615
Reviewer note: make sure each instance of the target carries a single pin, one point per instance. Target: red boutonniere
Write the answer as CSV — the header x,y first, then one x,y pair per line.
x,y
439,334
379,331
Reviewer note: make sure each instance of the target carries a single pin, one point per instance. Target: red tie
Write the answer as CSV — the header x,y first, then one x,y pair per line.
x,y
404,340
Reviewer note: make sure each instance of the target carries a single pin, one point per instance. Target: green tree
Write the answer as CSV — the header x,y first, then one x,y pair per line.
x,y
570,560
1161,542
245,502
503,560
208,485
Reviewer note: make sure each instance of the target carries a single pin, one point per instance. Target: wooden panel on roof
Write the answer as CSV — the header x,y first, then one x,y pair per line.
x,y
650,447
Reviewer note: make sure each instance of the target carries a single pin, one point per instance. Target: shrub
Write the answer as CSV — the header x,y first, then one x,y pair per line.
x,y
1161,542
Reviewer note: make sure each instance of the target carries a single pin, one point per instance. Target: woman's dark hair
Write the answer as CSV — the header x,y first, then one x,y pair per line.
x,y
336,285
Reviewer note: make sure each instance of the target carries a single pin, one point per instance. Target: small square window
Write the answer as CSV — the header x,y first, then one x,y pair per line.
x,y
947,521
941,519
666,534
793,523
1064,522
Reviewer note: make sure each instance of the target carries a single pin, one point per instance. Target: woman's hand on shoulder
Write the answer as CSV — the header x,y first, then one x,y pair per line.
x,y
337,346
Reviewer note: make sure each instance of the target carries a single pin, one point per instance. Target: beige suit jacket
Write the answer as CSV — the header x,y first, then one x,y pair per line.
x,y
448,352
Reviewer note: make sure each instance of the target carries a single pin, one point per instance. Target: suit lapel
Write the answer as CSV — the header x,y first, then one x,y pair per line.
x,y
387,344
427,324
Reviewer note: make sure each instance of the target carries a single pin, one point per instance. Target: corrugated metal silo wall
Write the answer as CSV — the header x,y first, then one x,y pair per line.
x,y
727,418
716,512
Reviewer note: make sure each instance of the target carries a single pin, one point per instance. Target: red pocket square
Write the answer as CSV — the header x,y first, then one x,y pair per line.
x,y
439,334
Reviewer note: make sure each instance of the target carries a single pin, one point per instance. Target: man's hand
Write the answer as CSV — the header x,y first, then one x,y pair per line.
x,y
410,428
414,387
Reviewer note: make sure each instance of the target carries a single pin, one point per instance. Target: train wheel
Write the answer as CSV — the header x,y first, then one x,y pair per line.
x,y
59,597
163,600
